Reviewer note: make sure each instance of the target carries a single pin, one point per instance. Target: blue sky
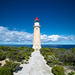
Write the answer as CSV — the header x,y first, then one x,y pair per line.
x,y
57,20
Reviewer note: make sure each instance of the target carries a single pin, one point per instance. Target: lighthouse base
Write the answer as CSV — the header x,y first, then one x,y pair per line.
x,y
36,47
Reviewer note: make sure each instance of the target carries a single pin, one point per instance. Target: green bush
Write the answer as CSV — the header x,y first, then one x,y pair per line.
x,y
31,49
3,48
18,58
23,47
55,61
51,64
26,62
58,70
15,56
11,66
26,57
5,71
22,62
60,63
28,53
2,56
71,73
52,59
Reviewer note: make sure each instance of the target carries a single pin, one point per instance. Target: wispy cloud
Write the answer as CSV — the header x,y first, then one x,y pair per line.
x,y
8,36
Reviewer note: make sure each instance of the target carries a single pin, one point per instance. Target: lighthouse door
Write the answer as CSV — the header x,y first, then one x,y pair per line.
x,y
36,47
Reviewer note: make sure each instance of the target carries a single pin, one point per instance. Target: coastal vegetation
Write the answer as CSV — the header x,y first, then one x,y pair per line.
x,y
71,73
60,57
58,70
14,54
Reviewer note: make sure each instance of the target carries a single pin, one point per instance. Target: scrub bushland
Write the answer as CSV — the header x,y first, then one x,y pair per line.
x,y
59,56
58,70
18,54
15,53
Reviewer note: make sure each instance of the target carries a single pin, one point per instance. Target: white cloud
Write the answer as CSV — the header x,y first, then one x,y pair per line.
x,y
14,36
46,38
57,38
7,35
54,37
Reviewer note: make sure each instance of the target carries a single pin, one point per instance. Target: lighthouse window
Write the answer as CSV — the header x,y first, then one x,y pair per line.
x,y
36,28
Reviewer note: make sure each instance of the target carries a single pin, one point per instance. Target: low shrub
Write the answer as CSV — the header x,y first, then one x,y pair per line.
x,y
71,73
55,61
11,66
2,56
5,71
26,57
58,70
51,64
15,56
60,63
52,59
26,62
18,58
22,62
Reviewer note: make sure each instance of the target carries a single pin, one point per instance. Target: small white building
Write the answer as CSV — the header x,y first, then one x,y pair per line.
x,y
36,36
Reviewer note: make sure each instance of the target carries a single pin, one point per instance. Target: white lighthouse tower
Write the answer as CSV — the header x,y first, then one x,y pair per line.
x,y
36,37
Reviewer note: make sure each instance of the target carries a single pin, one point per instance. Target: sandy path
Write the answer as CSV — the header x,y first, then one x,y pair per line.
x,y
37,66
3,62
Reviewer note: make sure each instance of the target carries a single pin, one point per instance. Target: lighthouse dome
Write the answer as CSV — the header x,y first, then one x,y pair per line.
x,y
36,20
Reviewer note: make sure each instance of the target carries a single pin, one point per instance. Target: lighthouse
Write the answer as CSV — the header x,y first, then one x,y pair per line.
x,y
36,36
